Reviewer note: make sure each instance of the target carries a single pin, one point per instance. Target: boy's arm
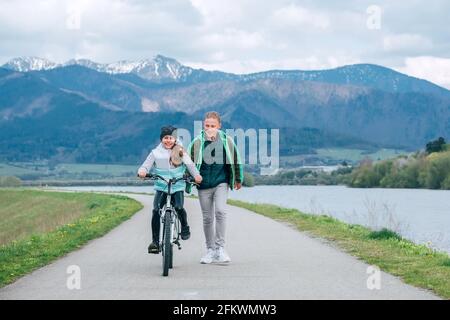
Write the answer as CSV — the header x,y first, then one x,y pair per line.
x,y
148,163
238,167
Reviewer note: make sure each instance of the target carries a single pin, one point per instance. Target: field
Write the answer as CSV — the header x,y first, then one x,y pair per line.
x,y
334,156
66,171
37,227
357,155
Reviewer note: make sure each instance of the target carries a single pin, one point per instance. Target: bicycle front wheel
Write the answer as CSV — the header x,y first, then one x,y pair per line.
x,y
167,245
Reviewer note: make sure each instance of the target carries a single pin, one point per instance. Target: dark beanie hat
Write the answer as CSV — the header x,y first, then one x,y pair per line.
x,y
166,131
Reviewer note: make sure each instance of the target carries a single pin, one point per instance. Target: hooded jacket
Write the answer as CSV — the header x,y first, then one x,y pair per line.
x,y
233,166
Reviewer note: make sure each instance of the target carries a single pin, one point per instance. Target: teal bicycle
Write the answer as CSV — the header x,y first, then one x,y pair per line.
x,y
170,230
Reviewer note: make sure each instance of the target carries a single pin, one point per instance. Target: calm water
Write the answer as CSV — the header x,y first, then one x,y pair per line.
x,y
420,215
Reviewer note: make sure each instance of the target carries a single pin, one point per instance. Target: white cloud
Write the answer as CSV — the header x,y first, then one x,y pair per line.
x,y
218,13
232,39
244,66
235,35
296,16
406,42
108,30
434,69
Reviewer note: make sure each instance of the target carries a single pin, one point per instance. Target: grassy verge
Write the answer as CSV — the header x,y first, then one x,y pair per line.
x,y
415,264
37,227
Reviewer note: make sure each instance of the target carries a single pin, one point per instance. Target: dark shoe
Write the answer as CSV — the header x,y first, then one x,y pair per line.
x,y
153,248
185,233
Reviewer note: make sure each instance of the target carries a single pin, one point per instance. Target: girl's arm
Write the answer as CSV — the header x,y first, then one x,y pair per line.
x,y
148,163
190,165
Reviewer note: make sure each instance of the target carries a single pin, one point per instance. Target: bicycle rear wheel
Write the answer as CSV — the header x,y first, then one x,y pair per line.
x,y
167,245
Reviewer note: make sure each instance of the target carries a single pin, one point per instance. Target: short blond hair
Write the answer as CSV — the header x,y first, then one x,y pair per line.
x,y
212,114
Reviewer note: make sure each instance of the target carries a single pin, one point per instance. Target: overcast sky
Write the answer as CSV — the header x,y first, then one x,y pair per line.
x,y
239,36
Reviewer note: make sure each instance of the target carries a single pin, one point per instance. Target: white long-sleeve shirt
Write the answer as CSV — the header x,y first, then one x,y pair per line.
x,y
160,158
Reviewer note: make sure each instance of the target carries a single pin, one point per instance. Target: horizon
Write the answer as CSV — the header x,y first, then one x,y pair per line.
x,y
63,64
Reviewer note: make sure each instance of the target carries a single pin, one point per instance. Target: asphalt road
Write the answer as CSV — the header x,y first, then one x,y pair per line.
x,y
270,260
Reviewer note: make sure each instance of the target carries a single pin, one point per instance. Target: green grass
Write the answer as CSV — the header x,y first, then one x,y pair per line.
x,y
415,264
38,227
446,262
384,234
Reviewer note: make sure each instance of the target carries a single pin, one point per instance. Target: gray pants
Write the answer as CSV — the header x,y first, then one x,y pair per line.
x,y
213,202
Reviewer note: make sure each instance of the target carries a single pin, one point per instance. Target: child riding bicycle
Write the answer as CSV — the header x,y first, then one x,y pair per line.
x,y
169,160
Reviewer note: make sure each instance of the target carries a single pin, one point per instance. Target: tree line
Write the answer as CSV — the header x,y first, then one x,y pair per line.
x,y
424,169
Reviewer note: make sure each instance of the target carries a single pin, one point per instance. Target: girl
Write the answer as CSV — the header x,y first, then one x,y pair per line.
x,y
160,162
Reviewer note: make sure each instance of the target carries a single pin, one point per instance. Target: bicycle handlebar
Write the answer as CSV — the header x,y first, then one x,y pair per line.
x,y
151,176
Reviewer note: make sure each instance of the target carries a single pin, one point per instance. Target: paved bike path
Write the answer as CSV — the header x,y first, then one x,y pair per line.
x,y
270,261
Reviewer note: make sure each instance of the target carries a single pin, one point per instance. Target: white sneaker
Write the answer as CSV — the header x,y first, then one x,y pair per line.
x,y
222,256
209,257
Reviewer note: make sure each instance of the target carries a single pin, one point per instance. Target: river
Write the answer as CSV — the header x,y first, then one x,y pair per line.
x,y
420,215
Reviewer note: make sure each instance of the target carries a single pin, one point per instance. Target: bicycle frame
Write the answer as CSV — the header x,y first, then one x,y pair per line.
x,y
167,212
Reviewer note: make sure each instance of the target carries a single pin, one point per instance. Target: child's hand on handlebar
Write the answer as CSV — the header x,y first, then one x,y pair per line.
x,y
142,173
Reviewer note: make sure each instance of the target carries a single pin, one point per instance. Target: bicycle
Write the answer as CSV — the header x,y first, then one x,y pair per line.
x,y
170,223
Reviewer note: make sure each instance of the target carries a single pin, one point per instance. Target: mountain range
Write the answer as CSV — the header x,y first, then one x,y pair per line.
x,y
84,111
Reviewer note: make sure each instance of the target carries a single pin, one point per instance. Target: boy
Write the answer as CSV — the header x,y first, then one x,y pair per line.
x,y
164,166
219,163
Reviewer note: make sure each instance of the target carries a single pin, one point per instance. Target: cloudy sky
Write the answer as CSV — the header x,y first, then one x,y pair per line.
x,y
240,36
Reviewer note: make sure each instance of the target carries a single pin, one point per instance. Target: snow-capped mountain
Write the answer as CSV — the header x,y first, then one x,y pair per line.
x,y
360,100
159,68
85,63
25,64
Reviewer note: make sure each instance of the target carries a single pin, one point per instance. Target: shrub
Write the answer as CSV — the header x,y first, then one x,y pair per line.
x,y
249,181
365,177
436,170
446,183
384,234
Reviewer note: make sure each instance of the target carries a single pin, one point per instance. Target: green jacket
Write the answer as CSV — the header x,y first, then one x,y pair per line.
x,y
233,166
